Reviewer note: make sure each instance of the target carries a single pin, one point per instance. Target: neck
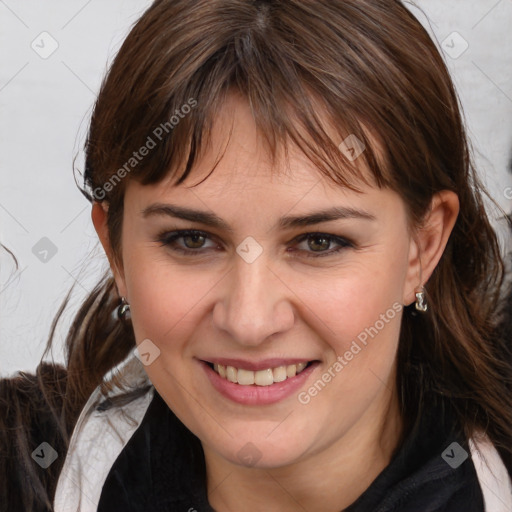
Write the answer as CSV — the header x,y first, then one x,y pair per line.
x,y
328,480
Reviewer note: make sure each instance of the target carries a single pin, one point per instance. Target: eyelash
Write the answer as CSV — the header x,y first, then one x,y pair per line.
x,y
169,238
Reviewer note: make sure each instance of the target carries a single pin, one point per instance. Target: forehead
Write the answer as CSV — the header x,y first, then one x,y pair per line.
x,y
238,156
264,204
239,180
246,192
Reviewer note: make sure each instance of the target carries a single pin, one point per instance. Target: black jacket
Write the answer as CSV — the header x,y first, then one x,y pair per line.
x,y
161,469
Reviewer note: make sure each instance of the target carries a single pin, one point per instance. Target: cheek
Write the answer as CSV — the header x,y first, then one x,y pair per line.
x,y
165,300
359,321
347,304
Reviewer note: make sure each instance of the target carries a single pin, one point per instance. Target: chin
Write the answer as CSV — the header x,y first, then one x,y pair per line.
x,y
252,456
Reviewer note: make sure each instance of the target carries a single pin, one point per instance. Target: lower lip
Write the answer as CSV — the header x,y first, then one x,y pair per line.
x,y
258,395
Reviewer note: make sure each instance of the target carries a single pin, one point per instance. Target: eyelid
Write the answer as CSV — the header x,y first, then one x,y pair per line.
x,y
166,238
343,243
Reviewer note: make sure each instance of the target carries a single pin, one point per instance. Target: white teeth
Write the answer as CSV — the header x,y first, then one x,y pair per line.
x,y
264,377
245,377
261,377
279,374
301,367
291,370
231,374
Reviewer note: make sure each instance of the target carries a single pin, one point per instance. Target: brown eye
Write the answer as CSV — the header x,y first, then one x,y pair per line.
x,y
188,242
194,241
319,243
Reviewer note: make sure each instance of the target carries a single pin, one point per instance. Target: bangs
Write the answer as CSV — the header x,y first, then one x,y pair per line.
x,y
323,103
340,146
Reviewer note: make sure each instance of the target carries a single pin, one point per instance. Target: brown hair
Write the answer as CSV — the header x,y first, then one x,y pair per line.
x,y
371,68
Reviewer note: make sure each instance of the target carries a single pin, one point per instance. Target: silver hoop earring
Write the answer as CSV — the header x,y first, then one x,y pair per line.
x,y
421,304
123,310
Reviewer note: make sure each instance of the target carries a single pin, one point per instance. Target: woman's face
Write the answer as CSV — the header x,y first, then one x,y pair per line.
x,y
268,285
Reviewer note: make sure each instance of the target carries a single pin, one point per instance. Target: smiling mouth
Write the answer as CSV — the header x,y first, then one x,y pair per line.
x,y
261,377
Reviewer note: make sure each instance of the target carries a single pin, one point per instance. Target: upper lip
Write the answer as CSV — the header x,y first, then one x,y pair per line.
x,y
263,364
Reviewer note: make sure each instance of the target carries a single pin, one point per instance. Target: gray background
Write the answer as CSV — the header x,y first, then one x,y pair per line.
x,y
45,105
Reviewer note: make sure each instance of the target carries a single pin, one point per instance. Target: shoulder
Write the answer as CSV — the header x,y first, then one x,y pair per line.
x,y
493,476
102,431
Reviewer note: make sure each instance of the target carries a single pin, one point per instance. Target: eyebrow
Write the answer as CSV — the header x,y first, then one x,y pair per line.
x,y
213,220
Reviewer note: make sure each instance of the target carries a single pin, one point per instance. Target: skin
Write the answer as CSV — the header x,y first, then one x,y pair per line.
x,y
318,456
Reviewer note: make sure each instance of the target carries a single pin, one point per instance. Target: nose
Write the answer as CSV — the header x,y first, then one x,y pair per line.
x,y
255,303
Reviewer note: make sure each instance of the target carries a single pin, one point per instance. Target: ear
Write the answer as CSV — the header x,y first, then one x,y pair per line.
x,y
429,241
99,219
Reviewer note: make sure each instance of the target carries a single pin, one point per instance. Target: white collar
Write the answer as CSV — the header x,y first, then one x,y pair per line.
x,y
97,440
